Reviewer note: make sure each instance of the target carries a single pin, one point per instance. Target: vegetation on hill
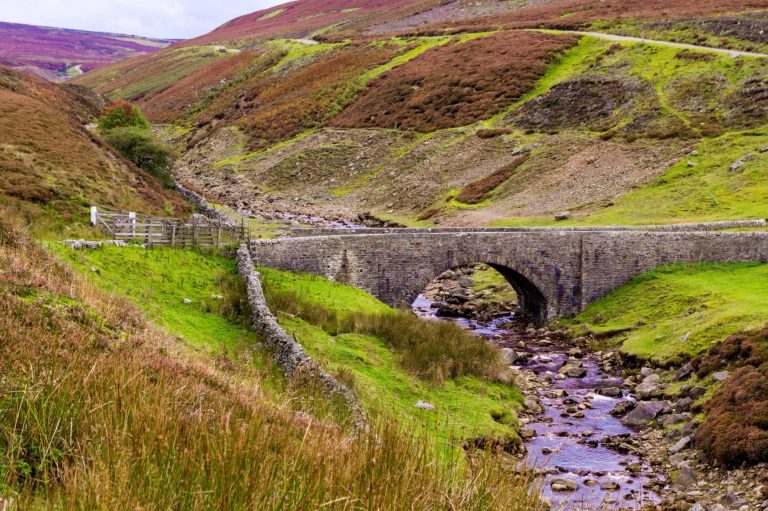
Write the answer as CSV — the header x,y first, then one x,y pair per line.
x,y
52,169
60,54
456,84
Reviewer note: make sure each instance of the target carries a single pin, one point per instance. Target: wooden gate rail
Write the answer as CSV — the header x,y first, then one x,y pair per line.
x,y
152,231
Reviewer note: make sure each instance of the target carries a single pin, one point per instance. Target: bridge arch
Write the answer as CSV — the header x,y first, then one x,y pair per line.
x,y
533,303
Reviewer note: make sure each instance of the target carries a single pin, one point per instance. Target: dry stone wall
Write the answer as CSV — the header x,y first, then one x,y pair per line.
x,y
289,354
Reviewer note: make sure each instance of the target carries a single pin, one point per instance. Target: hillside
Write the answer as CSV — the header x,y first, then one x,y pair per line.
x,y
59,54
386,112
52,169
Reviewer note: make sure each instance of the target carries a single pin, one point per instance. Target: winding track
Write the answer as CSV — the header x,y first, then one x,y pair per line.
x,y
620,38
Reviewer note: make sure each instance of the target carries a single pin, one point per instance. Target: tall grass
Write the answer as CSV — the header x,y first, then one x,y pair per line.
x,y
432,350
100,411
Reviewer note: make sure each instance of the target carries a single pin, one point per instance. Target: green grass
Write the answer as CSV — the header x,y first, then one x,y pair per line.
x,y
159,280
465,407
323,292
677,312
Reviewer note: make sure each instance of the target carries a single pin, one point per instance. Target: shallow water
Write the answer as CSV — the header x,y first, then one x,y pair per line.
x,y
572,457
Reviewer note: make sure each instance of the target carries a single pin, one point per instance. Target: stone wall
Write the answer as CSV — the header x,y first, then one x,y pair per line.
x,y
556,273
204,208
289,355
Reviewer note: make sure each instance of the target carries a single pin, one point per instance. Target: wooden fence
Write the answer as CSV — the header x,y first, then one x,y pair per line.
x,y
154,231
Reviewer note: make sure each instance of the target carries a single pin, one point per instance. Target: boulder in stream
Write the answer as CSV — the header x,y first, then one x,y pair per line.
x,y
644,413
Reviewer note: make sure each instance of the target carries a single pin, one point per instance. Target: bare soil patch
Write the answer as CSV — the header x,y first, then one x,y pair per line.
x,y
596,102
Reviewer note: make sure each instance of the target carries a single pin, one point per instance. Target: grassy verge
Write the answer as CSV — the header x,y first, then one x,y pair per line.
x,y
677,312
466,406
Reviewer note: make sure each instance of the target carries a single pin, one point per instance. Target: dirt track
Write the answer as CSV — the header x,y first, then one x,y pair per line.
x,y
613,37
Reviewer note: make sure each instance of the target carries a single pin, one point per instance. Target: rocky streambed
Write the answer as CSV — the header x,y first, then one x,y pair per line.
x,y
602,435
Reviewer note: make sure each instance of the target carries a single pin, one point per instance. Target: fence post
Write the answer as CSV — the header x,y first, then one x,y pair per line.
x,y
148,232
194,232
132,220
218,238
94,215
173,235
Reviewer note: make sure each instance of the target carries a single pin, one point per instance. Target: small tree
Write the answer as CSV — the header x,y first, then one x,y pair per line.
x,y
144,150
122,114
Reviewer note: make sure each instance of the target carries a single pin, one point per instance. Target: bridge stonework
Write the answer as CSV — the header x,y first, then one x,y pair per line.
x,y
556,273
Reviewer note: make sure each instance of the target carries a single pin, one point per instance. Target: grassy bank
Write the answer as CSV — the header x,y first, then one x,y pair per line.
x,y
390,378
99,410
676,312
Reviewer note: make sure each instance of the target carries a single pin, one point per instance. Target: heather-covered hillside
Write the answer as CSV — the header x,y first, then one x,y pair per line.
x,y
419,112
60,54
52,169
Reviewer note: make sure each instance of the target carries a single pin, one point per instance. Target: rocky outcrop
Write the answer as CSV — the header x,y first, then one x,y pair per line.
x,y
288,353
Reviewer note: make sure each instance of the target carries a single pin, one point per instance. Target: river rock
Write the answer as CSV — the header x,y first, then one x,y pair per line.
x,y
510,357
643,413
685,477
527,433
466,282
573,371
681,444
623,408
720,376
533,406
649,388
610,392
675,418
732,500
683,405
563,484
684,372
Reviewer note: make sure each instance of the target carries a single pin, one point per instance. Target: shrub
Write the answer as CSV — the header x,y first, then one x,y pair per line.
x,y
122,114
144,150
735,430
475,193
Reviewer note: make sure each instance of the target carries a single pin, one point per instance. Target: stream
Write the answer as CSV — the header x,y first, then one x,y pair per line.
x,y
568,441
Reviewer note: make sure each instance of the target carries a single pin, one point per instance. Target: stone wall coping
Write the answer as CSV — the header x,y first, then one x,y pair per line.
x,y
687,227
427,234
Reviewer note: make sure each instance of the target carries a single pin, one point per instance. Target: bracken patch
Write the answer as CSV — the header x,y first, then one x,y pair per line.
x,y
478,191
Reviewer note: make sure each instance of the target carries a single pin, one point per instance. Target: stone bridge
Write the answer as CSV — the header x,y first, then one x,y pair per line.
x,y
555,272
